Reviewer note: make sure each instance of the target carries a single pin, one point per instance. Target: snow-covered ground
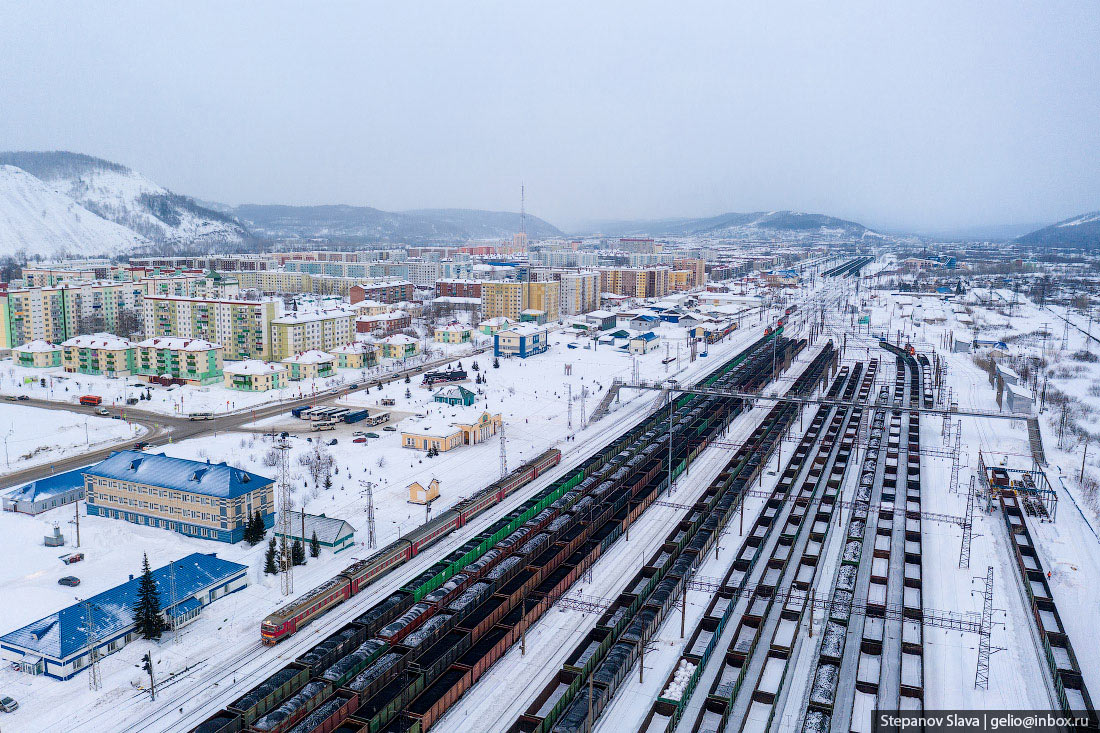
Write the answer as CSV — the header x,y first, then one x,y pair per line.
x,y
34,436
531,395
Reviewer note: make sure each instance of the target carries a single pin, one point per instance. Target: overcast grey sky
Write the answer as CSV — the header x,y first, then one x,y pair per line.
x,y
923,117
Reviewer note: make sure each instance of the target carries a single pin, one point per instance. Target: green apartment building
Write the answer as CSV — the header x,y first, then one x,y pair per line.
x,y
195,360
99,353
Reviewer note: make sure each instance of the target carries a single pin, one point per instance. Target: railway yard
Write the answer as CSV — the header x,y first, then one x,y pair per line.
x,y
806,528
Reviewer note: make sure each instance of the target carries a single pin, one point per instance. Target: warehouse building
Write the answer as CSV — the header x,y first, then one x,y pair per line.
x,y
206,500
60,644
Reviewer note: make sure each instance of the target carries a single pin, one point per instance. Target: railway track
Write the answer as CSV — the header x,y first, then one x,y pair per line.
x,y
428,665
594,669
754,656
1071,694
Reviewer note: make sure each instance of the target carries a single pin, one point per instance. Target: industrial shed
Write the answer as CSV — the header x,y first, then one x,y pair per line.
x,y
336,534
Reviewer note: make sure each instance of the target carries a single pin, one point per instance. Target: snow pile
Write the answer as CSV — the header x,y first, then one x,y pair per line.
x,y
680,680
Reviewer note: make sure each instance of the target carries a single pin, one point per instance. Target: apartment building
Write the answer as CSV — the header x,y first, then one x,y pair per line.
x,y
37,354
580,290
210,501
697,267
425,272
195,360
384,291
457,288
99,353
254,375
510,299
383,324
242,327
322,330
635,282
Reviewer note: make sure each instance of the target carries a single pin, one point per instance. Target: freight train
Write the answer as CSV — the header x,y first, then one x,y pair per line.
x,y
296,614
453,612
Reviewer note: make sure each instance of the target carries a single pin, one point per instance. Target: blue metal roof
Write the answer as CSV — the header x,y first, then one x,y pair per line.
x,y
65,633
647,336
49,486
180,474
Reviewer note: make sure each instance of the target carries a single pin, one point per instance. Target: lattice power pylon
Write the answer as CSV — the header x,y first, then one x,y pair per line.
x,y
954,486
968,527
569,406
503,453
981,673
286,565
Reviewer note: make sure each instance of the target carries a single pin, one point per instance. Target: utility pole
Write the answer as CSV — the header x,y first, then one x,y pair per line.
x,y
286,577
95,679
76,507
368,486
569,406
147,663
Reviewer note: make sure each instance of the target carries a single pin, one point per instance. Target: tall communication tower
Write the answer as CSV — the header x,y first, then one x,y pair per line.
x,y
503,453
286,576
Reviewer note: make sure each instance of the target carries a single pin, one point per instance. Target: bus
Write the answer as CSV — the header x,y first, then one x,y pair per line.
x,y
200,416
323,425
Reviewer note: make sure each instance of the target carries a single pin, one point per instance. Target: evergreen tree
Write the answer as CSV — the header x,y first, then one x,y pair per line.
x,y
269,558
147,607
254,531
298,553
314,546
496,363
475,366
407,380
328,485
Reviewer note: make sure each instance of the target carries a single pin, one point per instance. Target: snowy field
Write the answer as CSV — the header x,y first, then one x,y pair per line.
x,y
531,395
34,436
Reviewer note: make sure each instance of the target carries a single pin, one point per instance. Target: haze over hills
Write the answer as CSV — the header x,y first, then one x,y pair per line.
x,y
35,220
364,223
1078,231
756,225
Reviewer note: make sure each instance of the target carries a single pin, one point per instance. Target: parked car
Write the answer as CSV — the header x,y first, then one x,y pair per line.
x,y
10,397
101,411
22,398
8,705
132,400
373,435
360,439
141,445
390,429
334,441
116,417
70,580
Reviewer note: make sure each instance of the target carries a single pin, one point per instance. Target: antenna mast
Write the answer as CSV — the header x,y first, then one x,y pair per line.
x,y
286,576
503,453
368,487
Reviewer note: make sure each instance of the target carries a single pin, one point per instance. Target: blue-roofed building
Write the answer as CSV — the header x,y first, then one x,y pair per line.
x,y
60,646
207,500
643,343
46,493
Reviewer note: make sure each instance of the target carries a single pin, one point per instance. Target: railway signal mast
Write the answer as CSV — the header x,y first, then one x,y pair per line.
x,y
286,564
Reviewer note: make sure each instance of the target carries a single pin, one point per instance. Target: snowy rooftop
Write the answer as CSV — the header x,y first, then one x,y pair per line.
x,y
379,317
37,346
498,321
178,343
399,339
313,356
252,366
65,633
180,474
317,315
329,530
49,486
355,347
527,329
99,341
453,327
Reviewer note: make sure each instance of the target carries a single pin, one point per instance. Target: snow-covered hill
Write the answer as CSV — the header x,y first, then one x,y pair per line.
x,y
756,225
1079,231
126,197
36,220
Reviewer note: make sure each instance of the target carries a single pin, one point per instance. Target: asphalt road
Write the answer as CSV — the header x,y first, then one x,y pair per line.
x,y
162,429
